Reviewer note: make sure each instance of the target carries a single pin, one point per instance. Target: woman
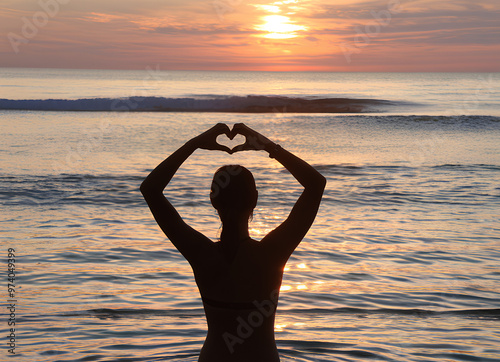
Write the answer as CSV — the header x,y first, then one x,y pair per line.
x,y
238,278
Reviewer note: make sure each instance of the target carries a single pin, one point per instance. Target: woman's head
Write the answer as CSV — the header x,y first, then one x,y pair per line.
x,y
233,191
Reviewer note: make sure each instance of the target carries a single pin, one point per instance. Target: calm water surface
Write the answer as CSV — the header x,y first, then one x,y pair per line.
x,y
400,265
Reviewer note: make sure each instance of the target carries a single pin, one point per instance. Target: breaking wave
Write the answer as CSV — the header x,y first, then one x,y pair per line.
x,y
243,104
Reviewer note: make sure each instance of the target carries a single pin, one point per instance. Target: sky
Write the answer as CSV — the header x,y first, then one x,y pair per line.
x,y
288,35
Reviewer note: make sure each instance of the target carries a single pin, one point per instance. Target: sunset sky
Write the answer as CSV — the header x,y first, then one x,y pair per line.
x,y
320,35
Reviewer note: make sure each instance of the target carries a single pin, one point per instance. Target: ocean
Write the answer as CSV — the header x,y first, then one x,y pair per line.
x,y
401,264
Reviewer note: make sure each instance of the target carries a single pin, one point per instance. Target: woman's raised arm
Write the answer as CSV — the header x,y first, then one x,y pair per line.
x,y
283,240
190,243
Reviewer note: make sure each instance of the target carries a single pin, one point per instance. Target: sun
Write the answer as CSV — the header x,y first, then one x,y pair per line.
x,y
279,27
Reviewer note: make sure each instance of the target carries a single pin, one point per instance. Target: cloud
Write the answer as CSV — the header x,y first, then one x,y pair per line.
x,y
103,18
208,29
185,34
423,22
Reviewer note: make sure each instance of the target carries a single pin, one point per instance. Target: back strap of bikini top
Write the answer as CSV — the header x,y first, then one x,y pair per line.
x,y
229,305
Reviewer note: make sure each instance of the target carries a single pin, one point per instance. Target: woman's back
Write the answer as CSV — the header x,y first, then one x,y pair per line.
x,y
240,293
239,335
238,278
251,273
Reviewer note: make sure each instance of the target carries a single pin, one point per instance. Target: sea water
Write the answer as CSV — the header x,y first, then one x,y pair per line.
x,y
401,264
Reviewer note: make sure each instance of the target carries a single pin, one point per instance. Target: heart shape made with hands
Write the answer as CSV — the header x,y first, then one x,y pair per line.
x,y
231,141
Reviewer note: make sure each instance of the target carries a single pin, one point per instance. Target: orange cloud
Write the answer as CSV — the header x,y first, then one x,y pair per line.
x,y
103,18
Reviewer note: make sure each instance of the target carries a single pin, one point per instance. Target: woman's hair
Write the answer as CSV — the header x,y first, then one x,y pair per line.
x,y
233,190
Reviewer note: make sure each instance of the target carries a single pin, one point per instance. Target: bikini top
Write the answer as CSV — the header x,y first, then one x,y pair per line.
x,y
232,305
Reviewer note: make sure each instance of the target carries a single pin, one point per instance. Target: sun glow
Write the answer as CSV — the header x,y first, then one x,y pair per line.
x,y
269,8
279,27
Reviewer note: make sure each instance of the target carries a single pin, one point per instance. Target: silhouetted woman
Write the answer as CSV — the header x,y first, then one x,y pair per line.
x,y
239,278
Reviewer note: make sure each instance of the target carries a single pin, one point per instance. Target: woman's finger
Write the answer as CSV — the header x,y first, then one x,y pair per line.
x,y
240,128
224,148
218,129
217,146
247,146
224,128
239,148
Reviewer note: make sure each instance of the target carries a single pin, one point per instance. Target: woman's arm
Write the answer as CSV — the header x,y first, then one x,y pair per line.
x,y
284,239
190,243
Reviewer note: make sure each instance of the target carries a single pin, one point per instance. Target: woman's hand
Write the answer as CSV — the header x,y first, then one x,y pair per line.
x,y
208,139
254,140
